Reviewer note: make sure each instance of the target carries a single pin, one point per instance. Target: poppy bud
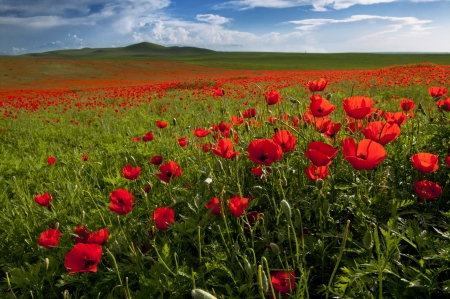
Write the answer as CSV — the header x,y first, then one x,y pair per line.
x,y
248,267
56,225
319,184
82,216
264,280
200,294
223,110
46,263
219,167
328,96
236,246
174,121
275,248
286,208
247,126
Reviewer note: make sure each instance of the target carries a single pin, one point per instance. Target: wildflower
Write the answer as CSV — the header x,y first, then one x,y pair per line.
x,y
200,132
366,156
381,132
183,141
51,160
283,282
320,153
130,172
407,105
427,190
224,149
99,237
81,234
257,171
285,139
264,151
437,92
168,171
319,106
43,200
163,217
49,238
214,205
156,160
121,201
83,258
238,205
161,124
395,117
272,97
314,172
358,107
425,162
148,137
249,113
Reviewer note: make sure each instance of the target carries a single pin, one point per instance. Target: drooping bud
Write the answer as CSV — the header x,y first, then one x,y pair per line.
x,y
275,248
286,208
319,184
200,294
174,121
46,263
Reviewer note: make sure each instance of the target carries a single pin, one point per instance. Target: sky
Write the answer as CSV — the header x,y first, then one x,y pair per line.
x,y
319,26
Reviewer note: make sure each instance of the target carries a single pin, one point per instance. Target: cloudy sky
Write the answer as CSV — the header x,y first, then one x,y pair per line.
x,y
227,25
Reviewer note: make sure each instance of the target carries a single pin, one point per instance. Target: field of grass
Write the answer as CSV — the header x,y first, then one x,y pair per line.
x,y
119,181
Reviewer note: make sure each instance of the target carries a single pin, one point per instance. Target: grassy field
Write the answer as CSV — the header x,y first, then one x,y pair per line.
x,y
246,60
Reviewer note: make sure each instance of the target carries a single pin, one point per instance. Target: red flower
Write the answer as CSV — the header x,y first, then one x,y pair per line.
x,y
214,205
381,132
43,200
51,160
285,139
218,92
83,258
156,160
130,172
200,132
81,234
443,104
136,139
224,149
368,154
168,171
238,205
437,92
237,120
427,190
257,171
49,238
354,126
161,124
425,162
358,107
183,141
272,97
163,217
314,173
249,113
99,237
318,85
398,117
447,161
319,106
148,137
121,201
407,105
321,153
84,157
283,282
264,151
332,129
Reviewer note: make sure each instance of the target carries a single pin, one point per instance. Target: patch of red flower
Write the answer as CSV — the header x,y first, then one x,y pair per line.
x,y
249,113
148,137
84,157
200,132
224,149
314,172
427,190
169,171
272,97
357,107
83,258
214,206
381,132
264,151
156,160
318,85
130,172
161,124
425,162
43,200
395,117
366,156
183,141
437,92
49,238
407,105
285,139
321,153
283,282
163,217
51,160
121,201
319,106
238,205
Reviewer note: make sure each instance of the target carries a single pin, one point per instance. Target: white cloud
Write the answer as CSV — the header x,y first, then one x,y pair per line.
x,y
213,19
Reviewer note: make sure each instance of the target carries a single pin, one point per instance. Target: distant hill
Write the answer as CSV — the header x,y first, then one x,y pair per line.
x,y
141,50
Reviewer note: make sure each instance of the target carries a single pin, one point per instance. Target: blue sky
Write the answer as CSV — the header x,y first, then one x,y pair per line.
x,y
322,26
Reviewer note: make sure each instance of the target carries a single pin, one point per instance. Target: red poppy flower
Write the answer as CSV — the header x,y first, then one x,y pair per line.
x,y
99,237
183,141
308,117
51,160
358,107
319,106
427,190
283,282
381,132
49,238
398,117
136,139
224,149
206,147
214,205
148,137
285,139
249,113
366,156
163,217
43,200
84,157
238,205
224,128
447,161
218,92
257,171
169,171
156,160
121,201
130,172
237,120
407,105
200,132
83,258
354,126
332,129
81,234
322,123
314,173
321,153
425,162
161,124
264,151
437,92
443,104
318,85
272,97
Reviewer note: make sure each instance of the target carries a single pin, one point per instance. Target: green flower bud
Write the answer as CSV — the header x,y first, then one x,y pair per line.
x,y
286,208
200,294
275,248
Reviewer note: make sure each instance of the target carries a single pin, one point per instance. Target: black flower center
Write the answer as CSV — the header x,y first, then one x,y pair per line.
x,y
88,263
120,200
263,157
362,156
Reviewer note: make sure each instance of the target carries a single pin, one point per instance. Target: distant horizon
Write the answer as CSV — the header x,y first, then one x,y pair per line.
x,y
275,26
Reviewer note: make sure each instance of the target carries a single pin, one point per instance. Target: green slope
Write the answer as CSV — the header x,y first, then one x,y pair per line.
x,y
247,60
